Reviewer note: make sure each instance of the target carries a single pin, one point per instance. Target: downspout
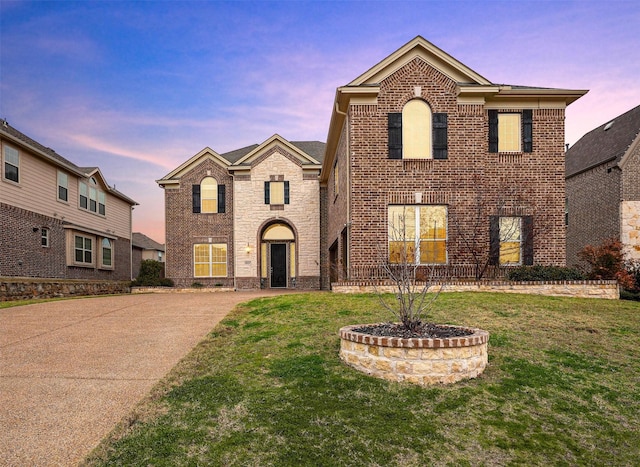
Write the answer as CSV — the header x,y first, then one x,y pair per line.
x,y
348,224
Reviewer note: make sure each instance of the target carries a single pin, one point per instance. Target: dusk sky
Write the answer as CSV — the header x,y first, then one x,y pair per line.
x,y
137,88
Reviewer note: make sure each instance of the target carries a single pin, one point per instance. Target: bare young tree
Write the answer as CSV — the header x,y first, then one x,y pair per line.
x,y
409,264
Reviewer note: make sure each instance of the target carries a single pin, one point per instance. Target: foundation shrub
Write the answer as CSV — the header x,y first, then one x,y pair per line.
x,y
151,275
544,273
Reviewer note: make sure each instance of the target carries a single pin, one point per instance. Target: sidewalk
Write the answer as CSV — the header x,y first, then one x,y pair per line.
x,y
71,370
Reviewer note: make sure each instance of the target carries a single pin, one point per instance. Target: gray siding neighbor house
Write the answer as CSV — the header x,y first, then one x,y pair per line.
x,y
603,187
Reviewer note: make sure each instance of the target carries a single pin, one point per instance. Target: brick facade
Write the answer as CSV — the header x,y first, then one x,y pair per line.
x,y
184,228
472,182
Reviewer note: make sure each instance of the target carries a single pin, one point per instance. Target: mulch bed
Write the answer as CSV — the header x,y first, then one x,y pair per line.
x,y
424,330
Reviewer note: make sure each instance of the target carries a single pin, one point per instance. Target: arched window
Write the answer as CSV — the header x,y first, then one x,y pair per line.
x,y
209,195
416,130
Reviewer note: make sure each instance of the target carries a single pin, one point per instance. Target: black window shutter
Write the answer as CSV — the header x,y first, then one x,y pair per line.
x,y
527,130
527,240
440,136
195,192
493,131
395,135
286,192
267,196
221,198
494,240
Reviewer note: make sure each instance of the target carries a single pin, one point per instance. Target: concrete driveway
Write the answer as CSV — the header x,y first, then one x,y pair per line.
x,y
71,370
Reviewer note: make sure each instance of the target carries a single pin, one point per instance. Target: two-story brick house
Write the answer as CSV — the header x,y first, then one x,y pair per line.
x,y
59,220
603,187
428,160
247,218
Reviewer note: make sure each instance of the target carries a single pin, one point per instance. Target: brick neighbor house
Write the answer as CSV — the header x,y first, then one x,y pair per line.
x,y
603,187
247,218
59,220
427,159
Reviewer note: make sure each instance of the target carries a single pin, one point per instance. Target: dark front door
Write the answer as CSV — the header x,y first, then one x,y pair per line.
x,y
278,265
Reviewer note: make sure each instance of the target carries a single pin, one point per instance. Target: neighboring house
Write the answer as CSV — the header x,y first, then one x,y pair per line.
x,y
248,218
427,159
59,220
144,248
603,187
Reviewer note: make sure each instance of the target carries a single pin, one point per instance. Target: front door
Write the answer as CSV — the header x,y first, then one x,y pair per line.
x,y
278,265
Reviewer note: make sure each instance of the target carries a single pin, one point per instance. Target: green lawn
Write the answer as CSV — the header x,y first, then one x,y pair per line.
x,y
267,388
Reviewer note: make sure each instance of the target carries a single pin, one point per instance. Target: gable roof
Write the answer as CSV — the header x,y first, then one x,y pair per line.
x,y
140,240
308,152
48,154
304,157
608,142
471,87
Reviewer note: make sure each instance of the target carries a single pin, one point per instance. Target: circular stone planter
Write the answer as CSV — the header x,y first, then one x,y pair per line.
x,y
422,361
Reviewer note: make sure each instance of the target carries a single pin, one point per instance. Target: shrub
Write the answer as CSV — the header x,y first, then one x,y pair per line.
x,y
544,273
607,263
150,275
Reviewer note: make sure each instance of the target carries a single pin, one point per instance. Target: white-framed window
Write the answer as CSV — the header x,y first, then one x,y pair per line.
x,y
83,250
509,132
418,234
510,240
106,254
91,198
209,195
210,260
45,235
11,163
63,186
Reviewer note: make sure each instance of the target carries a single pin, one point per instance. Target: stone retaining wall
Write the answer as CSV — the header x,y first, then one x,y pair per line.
x,y
417,360
582,289
17,288
179,289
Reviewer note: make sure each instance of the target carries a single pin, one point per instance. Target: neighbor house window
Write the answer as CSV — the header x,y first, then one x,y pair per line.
x,y
63,186
44,237
11,163
208,197
417,133
511,131
210,260
107,253
91,198
83,250
418,234
276,193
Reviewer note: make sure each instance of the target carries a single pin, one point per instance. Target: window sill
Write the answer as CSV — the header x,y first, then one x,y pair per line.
x,y
276,207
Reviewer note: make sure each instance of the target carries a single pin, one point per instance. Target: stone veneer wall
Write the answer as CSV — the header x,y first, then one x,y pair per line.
x,y
17,288
630,229
420,361
578,289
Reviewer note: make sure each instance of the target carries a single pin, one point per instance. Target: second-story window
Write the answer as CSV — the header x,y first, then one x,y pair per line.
x,y
511,131
63,186
276,193
11,164
208,197
417,132
91,198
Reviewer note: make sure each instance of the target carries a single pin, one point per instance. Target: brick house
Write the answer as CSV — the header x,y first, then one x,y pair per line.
x,y
603,187
59,220
471,173
248,218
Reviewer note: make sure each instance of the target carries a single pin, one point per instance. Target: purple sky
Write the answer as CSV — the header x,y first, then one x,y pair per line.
x,y
137,88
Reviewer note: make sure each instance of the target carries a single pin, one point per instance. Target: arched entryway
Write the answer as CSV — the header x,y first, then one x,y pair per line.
x,y
278,255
